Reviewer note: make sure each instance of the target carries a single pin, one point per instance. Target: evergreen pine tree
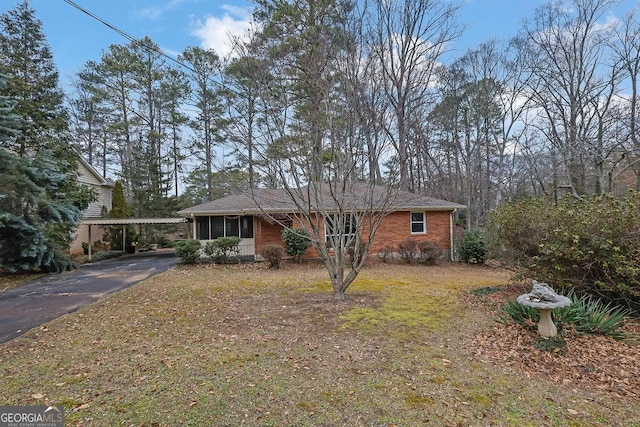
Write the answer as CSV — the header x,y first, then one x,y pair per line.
x,y
120,209
35,218
25,57
41,201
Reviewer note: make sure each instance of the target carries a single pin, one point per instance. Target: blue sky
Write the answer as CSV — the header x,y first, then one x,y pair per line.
x,y
75,37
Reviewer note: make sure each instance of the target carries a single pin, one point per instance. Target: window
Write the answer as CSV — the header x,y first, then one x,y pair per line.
x,y
332,227
418,223
217,227
212,227
246,227
202,227
232,226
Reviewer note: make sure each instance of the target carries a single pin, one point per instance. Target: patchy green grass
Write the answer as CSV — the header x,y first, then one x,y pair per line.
x,y
208,345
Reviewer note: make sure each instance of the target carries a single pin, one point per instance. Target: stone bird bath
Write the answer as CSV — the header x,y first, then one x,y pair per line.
x,y
545,300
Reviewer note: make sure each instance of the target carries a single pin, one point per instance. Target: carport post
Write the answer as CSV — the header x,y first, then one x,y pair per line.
x,y
89,253
124,227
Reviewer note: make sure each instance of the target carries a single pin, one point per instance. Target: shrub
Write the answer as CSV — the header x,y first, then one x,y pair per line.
x,y
100,246
472,248
188,250
273,254
590,245
514,229
590,315
222,249
296,242
408,250
99,256
430,252
555,344
521,314
386,254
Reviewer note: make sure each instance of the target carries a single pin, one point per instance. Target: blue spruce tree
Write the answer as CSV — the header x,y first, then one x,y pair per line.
x,y
36,219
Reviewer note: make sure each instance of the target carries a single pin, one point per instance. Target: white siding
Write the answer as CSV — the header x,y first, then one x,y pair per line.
x,y
88,176
85,176
104,191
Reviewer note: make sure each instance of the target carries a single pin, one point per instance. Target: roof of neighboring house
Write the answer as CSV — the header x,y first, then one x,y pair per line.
x,y
132,221
284,201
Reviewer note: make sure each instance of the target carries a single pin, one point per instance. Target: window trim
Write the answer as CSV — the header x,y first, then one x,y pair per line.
x,y
423,222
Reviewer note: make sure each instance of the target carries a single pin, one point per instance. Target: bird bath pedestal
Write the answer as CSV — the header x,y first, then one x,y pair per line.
x,y
545,300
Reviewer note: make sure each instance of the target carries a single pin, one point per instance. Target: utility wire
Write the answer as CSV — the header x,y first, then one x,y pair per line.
x,y
137,42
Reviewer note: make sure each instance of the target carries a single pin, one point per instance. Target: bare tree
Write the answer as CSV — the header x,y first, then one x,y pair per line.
x,y
626,47
408,39
319,132
567,82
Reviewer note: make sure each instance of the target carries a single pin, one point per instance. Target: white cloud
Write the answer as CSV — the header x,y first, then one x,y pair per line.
x,y
216,32
156,11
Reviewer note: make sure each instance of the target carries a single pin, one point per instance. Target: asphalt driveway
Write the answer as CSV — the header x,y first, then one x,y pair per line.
x,y
53,295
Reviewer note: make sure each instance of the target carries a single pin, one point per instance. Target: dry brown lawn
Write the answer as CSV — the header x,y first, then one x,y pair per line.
x,y
243,345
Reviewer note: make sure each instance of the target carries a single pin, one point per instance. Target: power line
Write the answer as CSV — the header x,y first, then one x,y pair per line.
x,y
97,18
136,42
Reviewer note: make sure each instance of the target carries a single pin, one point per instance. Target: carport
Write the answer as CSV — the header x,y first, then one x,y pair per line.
x,y
127,221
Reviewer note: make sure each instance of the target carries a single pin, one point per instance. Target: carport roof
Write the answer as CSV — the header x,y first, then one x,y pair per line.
x,y
132,221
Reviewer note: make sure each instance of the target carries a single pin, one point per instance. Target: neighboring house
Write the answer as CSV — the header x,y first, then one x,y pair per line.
x,y
89,176
258,220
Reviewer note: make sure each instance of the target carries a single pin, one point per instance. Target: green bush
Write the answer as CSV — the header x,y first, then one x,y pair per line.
x,y
99,256
188,250
273,255
590,315
472,248
222,249
589,245
296,241
521,314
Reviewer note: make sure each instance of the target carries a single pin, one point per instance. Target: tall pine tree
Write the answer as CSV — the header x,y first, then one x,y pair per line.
x,y
41,199
25,57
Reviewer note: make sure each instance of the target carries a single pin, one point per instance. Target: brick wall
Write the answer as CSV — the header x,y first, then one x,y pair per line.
x,y
395,228
267,234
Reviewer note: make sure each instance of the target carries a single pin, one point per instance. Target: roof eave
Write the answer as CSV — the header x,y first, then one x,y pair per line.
x,y
275,211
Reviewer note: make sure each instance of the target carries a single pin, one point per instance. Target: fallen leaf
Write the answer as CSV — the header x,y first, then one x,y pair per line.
x,y
37,396
572,411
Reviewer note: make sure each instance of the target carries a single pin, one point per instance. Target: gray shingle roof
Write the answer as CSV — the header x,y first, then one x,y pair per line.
x,y
280,200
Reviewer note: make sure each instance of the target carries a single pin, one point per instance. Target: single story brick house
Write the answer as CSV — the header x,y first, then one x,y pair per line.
x,y
258,218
